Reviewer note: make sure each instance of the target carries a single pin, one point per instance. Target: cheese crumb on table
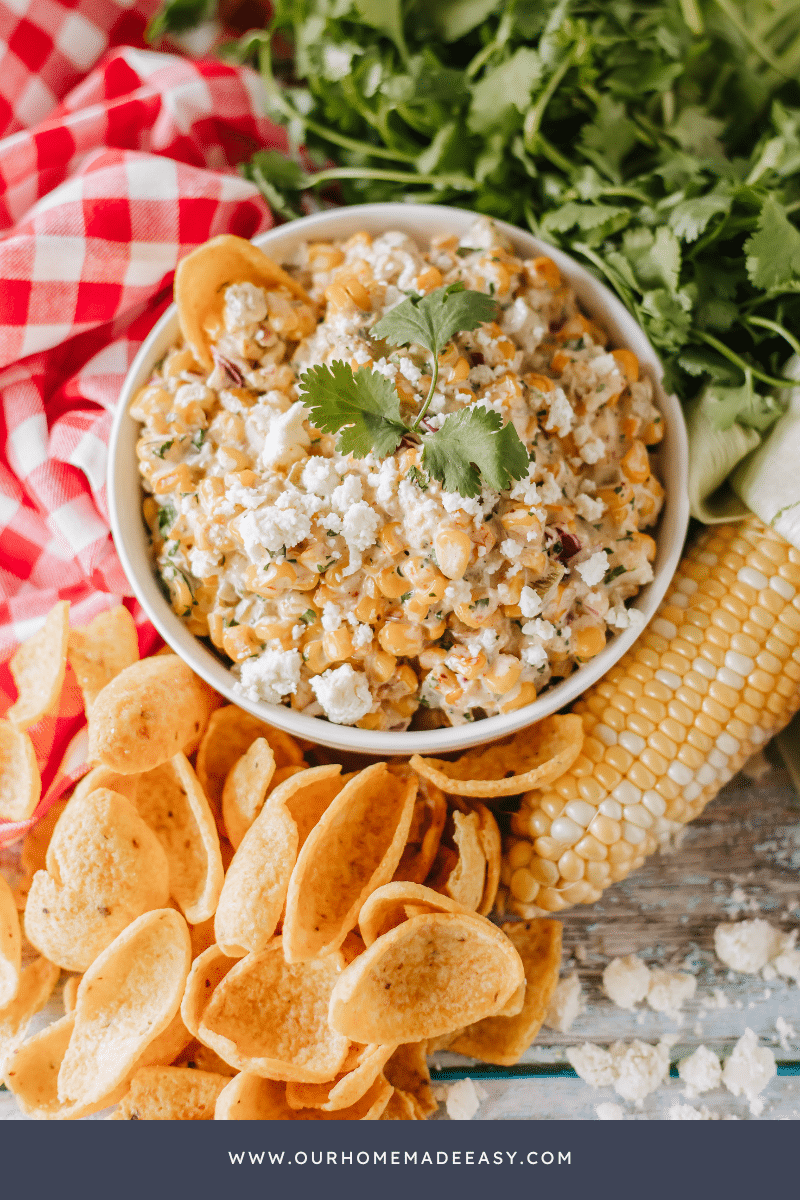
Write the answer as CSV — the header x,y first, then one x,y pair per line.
x,y
700,1072
462,1099
565,1004
633,1069
668,990
626,981
749,1069
609,1111
749,946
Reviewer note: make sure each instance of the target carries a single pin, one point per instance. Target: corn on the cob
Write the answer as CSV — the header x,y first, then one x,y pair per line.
x,y
712,678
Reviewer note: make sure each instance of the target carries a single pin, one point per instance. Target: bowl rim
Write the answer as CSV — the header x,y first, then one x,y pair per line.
x,y
130,538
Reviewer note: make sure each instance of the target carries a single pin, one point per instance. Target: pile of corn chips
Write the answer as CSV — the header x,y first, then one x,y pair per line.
x,y
248,936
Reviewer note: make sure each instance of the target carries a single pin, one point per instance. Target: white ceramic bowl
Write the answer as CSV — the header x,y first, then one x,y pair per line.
x,y
420,222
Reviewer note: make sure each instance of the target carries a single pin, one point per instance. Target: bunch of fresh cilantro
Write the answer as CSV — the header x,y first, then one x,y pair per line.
x,y
656,140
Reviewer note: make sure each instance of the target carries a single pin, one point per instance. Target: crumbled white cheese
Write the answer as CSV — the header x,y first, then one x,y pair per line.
x,y
747,946
593,1064
530,602
534,654
785,1033
626,981
343,693
360,525
270,529
464,1100
331,617
593,570
565,1003
286,439
701,1071
347,494
639,1067
668,990
787,964
622,617
270,676
362,636
245,304
458,592
560,414
203,562
685,1112
633,1069
749,1069
320,477
589,509
609,1111
540,629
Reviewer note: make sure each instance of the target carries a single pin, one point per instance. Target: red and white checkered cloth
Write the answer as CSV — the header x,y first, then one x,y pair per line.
x,y
103,188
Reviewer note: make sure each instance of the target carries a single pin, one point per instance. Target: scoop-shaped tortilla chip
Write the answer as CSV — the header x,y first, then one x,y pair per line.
x,y
128,996
467,880
38,668
354,848
250,1098
20,783
172,803
170,1094
534,757
229,734
201,279
427,823
98,651
151,711
10,945
257,880
105,868
36,983
429,975
407,1070
207,970
492,846
269,1017
401,1107
387,907
503,1040
361,1068
246,788
33,1076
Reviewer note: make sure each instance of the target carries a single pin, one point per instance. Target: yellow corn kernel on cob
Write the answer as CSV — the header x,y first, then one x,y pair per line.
x,y
712,678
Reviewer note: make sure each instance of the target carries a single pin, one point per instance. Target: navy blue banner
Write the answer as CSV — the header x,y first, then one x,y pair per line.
x,y
399,1161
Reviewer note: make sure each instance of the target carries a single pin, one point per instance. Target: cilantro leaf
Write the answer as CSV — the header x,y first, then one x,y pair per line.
x,y
470,441
364,408
431,320
690,217
773,252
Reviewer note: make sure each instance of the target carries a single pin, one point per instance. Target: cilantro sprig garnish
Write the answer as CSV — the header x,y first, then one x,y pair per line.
x,y
471,449
431,321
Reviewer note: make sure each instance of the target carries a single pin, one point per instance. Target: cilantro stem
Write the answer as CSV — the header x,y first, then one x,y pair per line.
x,y
751,38
726,352
692,17
765,323
459,183
535,115
429,397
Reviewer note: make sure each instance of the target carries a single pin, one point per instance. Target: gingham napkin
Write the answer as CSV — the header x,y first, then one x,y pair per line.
x,y
103,188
